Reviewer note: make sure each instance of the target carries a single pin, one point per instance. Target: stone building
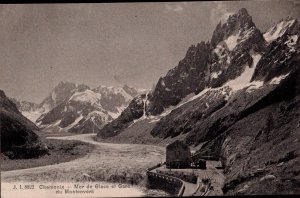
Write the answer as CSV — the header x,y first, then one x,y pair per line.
x,y
178,155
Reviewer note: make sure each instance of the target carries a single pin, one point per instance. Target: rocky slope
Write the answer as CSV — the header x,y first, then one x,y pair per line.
x,y
228,97
261,149
18,134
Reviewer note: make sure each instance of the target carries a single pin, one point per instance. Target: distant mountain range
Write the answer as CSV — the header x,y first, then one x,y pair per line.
x,y
78,108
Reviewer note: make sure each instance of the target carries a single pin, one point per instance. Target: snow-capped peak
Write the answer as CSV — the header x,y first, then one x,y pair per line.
x,y
225,17
113,91
237,29
278,30
87,96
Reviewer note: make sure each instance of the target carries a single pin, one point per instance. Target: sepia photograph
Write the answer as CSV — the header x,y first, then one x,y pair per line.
x,y
150,99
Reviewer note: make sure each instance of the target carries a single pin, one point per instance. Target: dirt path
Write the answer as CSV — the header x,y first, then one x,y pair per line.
x,y
216,176
189,189
105,156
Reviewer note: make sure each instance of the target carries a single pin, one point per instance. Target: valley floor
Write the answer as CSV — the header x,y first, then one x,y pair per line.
x,y
70,150
123,163
106,163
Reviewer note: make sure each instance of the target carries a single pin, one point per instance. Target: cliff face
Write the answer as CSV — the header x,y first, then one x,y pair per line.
x,y
179,82
18,134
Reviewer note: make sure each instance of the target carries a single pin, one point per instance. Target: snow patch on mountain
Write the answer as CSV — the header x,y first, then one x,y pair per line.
x,y
224,90
231,41
53,96
277,80
55,124
238,83
185,100
219,50
244,79
216,74
145,106
32,115
198,95
291,42
246,34
75,122
98,114
254,85
168,110
278,30
225,17
111,91
87,96
142,90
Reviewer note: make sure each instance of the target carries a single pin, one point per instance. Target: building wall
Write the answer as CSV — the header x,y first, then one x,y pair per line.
x,y
178,152
171,185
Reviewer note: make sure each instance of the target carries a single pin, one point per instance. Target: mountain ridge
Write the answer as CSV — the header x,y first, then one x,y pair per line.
x,y
215,65
243,108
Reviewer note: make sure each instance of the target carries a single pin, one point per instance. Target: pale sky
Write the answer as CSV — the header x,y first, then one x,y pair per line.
x,y
109,44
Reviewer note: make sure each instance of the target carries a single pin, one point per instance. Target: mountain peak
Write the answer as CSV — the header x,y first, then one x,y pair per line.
x,y
130,90
243,12
288,25
289,18
238,28
241,16
65,83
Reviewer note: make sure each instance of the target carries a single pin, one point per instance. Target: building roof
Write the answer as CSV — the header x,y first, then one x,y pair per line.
x,y
177,143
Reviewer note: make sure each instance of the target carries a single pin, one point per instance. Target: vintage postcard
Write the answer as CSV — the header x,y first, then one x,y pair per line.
x,y
150,99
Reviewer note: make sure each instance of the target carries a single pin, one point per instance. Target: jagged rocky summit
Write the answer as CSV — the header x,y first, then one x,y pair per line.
x,y
237,56
236,98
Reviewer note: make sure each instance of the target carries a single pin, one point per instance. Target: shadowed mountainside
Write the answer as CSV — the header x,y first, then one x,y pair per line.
x,y
18,134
